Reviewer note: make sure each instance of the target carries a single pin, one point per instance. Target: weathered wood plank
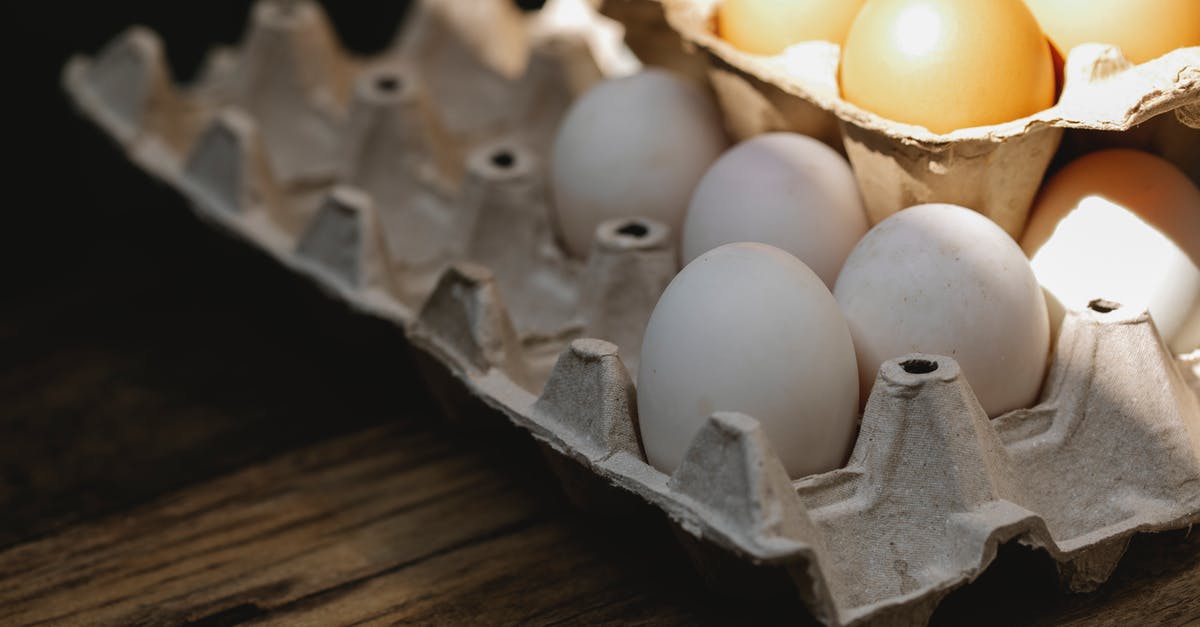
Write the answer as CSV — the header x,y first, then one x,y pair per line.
x,y
403,524
269,535
390,524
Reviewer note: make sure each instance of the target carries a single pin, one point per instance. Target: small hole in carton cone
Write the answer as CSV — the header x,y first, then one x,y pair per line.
x,y
388,83
504,159
919,366
529,5
633,229
1103,306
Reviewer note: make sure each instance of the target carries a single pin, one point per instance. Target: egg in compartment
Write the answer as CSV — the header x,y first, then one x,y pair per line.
x,y
945,280
768,27
783,189
947,64
747,327
1124,226
1142,29
631,146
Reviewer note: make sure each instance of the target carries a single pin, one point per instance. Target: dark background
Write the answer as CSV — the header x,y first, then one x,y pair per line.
x,y
135,340
76,168
141,350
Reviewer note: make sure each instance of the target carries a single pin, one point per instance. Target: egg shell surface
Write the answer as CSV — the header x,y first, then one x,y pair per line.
x,y
947,64
782,189
1142,29
747,327
1124,226
945,280
769,26
629,147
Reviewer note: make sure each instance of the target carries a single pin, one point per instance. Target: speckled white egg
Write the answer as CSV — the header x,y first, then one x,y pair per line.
x,y
945,280
632,146
782,189
747,327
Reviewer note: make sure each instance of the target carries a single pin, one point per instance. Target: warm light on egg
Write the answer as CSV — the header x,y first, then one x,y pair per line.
x,y
1142,29
947,64
1134,264
769,26
918,29
1121,225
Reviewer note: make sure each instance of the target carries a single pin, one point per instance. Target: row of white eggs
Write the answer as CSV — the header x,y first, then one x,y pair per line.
x,y
793,327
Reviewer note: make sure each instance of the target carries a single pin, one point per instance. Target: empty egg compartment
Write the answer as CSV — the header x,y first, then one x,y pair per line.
x,y
422,200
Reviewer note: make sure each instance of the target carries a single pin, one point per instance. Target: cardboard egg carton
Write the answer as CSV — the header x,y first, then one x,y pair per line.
x,y
412,185
993,169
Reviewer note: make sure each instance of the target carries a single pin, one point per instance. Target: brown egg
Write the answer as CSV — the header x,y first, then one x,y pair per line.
x,y
1124,226
769,26
1149,186
1143,29
947,64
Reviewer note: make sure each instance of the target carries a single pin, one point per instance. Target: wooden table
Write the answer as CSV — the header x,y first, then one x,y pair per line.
x,y
188,433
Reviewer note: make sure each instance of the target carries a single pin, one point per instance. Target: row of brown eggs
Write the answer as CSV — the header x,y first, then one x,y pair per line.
x,y
949,64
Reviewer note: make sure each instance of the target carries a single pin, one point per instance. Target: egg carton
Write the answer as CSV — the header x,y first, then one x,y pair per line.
x,y
411,185
993,169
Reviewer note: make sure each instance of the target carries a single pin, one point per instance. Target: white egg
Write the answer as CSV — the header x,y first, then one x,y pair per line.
x,y
747,327
945,280
632,146
783,189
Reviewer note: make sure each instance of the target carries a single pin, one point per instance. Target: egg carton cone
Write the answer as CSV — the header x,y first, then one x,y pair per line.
x,y
993,169
412,186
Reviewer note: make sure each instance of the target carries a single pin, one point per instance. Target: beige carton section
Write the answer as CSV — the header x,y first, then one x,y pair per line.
x,y
993,169
933,486
417,194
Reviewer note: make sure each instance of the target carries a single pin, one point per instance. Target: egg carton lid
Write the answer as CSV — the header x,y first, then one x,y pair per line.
x,y
932,487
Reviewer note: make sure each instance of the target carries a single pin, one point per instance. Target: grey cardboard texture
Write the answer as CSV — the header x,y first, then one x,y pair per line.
x,y
412,185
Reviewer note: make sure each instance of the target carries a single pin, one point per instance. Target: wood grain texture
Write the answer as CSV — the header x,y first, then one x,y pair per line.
x,y
408,524
393,523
